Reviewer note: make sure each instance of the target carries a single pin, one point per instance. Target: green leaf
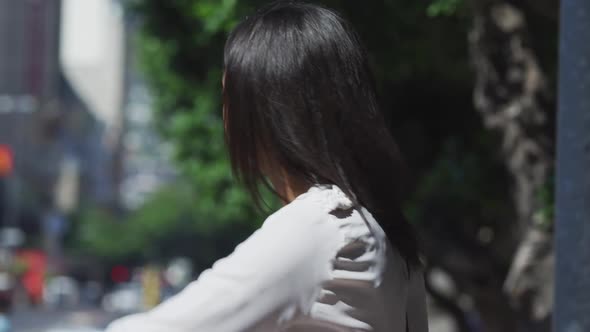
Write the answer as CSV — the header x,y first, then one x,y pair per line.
x,y
443,7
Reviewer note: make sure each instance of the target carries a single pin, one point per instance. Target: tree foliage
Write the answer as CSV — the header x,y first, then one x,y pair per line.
x,y
181,45
169,224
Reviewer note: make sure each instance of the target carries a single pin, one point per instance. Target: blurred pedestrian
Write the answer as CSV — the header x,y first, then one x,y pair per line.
x,y
301,116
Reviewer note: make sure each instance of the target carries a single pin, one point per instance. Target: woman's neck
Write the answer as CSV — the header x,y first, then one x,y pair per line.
x,y
288,187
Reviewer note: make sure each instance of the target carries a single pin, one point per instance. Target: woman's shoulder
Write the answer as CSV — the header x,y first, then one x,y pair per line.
x,y
312,207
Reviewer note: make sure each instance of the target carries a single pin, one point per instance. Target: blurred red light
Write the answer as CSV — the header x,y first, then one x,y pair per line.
x,y
6,160
120,273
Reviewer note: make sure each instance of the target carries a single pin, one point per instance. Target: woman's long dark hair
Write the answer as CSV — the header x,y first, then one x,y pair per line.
x,y
298,91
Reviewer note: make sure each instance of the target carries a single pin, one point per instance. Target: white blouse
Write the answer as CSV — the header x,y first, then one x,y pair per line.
x,y
305,269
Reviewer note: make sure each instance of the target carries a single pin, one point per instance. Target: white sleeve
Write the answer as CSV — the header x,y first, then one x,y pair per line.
x,y
273,274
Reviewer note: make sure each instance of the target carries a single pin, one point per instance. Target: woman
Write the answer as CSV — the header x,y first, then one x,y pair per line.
x,y
301,116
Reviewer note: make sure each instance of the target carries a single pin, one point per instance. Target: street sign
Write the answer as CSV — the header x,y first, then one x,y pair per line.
x,y
6,160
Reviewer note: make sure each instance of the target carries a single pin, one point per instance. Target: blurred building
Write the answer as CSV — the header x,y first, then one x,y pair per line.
x,y
97,56
58,110
148,163
29,95
74,111
93,58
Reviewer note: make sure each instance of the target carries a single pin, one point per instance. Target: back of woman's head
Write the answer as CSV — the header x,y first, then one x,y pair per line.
x,y
299,95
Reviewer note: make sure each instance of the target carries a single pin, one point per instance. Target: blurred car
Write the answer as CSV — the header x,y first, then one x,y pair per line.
x,y
125,298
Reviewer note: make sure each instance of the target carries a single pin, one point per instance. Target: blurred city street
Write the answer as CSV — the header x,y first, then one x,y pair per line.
x,y
80,319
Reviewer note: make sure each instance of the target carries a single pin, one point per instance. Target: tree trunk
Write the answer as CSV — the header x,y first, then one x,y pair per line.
x,y
511,94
